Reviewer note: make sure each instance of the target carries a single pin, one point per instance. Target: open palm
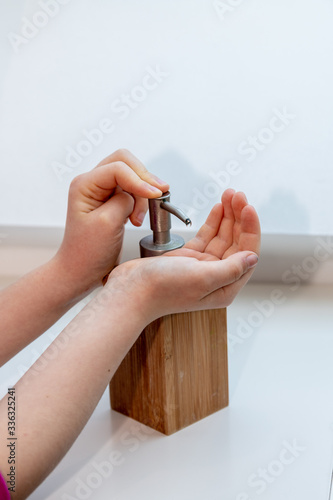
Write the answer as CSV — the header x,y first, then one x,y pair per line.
x,y
232,226
207,273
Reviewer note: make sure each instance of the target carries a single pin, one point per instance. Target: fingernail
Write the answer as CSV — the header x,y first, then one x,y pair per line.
x,y
252,260
154,190
163,183
140,217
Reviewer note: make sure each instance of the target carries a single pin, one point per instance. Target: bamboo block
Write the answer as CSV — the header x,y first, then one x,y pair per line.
x,y
176,373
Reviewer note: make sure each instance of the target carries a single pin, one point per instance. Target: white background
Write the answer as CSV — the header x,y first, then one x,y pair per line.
x,y
227,72
226,75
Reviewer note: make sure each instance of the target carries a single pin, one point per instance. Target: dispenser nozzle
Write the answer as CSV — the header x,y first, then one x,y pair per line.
x,y
169,207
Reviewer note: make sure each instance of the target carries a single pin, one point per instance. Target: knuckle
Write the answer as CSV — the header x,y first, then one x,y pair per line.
x,y
129,199
122,166
76,182
123,153
127,202
103,219
119,164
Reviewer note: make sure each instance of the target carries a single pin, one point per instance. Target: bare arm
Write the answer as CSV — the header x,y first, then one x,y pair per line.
x,y
57,397
98,207
32,304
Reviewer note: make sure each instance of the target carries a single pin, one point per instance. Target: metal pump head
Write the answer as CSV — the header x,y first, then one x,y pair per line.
x,y
162,240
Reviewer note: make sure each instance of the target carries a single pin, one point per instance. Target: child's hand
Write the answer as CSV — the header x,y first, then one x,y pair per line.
x,y
72,375
207,273
99,205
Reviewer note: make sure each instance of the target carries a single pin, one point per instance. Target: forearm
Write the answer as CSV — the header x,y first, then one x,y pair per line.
x,y
56,397
32,304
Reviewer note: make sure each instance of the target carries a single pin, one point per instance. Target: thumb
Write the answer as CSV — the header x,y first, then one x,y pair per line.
x,y
118,208
227,271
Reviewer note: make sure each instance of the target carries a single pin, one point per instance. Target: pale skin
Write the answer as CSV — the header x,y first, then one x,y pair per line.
x,y
60,391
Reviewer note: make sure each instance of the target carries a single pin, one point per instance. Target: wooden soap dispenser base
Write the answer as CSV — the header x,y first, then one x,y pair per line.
x,y
176,373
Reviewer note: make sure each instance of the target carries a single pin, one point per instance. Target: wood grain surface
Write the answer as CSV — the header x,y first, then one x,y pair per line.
x,y
176,373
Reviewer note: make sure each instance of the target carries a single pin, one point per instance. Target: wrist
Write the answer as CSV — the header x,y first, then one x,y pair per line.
x,y
127,289
66,285
113,319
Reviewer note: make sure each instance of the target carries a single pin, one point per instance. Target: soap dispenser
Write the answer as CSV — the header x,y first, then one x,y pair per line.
x,y
176,373
162,240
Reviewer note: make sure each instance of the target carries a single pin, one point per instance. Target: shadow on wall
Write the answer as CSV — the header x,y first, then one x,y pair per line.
x,y
195,194
283,213
191,192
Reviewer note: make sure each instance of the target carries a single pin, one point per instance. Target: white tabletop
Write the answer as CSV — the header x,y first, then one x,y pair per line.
x,y
274,441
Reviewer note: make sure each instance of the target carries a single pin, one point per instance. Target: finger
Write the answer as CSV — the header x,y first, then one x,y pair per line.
x,y
223,297
208,231
217,234
234,288
220,274
249,238
238,203
99,184
139,211
224,237
137,166
117,209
